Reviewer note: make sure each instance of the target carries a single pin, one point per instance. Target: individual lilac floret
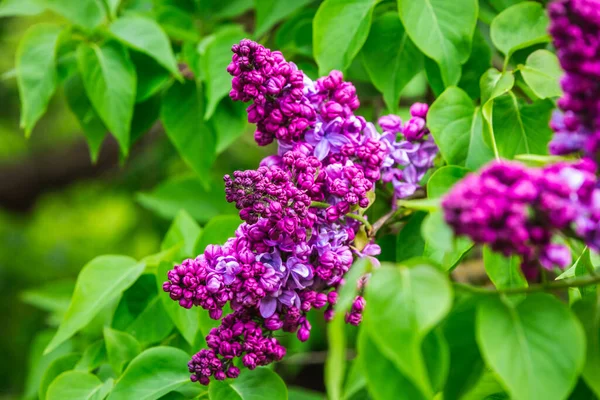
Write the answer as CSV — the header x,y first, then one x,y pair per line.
x,y
518,211
575,28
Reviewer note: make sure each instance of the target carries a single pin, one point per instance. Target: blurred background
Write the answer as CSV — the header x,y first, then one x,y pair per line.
x,y
58,210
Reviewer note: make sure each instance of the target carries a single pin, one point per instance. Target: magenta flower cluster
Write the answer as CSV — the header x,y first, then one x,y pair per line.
x,y
519,211
296,242
575,28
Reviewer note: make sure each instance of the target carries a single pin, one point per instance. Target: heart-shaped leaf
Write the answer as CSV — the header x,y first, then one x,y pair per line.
x,y
539,335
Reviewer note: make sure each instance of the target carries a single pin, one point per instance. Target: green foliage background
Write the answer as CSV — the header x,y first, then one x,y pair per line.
x,y
140,88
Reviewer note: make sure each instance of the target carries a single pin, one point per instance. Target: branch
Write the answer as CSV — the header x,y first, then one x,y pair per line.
x,y
556,285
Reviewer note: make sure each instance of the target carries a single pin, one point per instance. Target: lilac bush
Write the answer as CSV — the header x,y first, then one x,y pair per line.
x,y
433,195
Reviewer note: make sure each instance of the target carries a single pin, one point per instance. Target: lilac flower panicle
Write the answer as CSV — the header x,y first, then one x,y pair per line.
x,y
575,28
287,256
519,211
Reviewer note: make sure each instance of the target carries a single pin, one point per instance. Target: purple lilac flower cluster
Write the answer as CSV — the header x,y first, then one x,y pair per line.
x,y
415,154
518,210
296,242
575,29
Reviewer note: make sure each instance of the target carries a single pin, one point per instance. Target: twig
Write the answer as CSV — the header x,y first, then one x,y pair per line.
x,y
556,285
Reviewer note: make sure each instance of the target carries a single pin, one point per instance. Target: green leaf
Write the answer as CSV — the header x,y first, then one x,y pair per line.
x,y
504,272
217,231
109,80
190,55
187,321
518,27
153,324
580,267
230,122
145,115
434,76
100,282
181,114
340,28
542,73
53,296
88,14
78,385
466,364
121,348
36,72
151,76
297,393
295,36
443,179
521,128
215,56
493,84
134,301
145,35
93,356
443,255
113,7
404,305
335,364
384,380
270,12
487,387
443,30
479,61
539,334
10,8
437,358
262,383
457,128
437,233
588,312
501,5
217,9
356,380
91,124
57,367
188,194
410,242
38,362
184,230
420,204
177,21
152,374
390,58
535,160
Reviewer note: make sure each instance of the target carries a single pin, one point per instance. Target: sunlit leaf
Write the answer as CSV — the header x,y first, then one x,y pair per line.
x,y
100,282
340,28
36,72
443,30
109,79
538,334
